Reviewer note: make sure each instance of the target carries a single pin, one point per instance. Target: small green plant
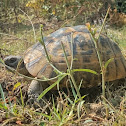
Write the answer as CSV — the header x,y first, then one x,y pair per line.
x,y
69,73
103,65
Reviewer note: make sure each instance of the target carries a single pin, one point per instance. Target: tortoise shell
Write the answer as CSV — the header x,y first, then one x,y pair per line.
x,y
84,52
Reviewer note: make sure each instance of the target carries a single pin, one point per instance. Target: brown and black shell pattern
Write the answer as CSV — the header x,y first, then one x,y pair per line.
x,y
84,52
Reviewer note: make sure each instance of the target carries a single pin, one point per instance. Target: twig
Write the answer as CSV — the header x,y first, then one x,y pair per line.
x,y
72,56
31,24
31,78
103,22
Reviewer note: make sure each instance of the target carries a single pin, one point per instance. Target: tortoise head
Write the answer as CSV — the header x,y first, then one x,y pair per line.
x,y
13,63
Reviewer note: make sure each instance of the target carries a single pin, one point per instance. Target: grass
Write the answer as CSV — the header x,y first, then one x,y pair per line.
x,y
118,35
17,43
65,111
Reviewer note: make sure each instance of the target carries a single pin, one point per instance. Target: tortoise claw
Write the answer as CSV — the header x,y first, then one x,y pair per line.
x,y
34,90
33,102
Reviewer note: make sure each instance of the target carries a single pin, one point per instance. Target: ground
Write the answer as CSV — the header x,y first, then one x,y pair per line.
x,y
19,113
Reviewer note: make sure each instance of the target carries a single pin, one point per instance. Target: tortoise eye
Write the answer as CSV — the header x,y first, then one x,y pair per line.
x,y
12,60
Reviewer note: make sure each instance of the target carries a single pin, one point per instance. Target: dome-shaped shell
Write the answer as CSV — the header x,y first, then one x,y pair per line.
x,y
84,52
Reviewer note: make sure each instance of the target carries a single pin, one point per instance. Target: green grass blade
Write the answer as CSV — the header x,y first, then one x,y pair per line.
x,y
107,62
44,115
72,56
46,52
16,85
85,70
80,99
22,100
73,90
68,98
2,106
2,95
11,106
55,111
79,108
51,86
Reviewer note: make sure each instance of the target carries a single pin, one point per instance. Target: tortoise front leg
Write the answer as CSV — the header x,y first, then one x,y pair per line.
x,y
34,90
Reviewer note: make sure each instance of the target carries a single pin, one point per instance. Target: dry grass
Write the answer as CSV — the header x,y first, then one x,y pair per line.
x,y
60,110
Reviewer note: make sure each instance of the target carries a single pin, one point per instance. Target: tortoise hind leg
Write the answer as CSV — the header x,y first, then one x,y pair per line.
x,y
34,90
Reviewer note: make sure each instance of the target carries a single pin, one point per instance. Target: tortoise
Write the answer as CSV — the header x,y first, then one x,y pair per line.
x,y
84,53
